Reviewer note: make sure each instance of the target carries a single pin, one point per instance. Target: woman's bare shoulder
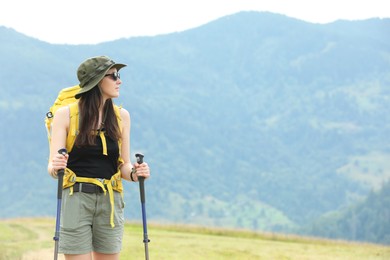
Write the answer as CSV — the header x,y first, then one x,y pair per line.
x,y
124,113
62,112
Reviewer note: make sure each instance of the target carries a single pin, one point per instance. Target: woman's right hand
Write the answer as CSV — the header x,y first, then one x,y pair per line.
x,y
59,161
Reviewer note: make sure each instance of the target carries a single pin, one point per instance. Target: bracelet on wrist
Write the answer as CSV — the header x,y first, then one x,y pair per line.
x,y
131,173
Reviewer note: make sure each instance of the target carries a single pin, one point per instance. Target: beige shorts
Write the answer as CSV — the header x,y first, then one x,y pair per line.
x,y
85,223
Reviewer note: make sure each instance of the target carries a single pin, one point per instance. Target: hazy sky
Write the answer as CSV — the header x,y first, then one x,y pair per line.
x,y
94,21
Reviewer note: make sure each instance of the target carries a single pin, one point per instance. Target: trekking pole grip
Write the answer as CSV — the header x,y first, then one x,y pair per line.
x,y
140,160
60,175
139,157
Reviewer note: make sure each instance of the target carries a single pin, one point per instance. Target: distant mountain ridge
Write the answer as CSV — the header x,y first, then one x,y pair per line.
x,y
255,120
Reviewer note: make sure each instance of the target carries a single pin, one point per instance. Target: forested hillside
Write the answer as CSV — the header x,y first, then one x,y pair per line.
x,y
365,221
255,120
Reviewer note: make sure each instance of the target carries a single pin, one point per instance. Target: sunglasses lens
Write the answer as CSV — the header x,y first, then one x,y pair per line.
x,y
115,76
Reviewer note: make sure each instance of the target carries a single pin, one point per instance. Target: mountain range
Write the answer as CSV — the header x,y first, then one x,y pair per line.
x,y
255,120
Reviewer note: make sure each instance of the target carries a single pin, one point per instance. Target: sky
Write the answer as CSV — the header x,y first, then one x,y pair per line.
x,y
96,21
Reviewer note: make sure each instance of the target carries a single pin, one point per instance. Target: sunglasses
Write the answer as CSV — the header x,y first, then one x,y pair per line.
x,y
115,76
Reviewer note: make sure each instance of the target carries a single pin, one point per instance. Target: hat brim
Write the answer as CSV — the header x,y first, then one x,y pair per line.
x,y
94,82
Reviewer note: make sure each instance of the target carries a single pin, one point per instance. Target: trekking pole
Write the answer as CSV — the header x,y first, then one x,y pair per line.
x,y
140,159
60,175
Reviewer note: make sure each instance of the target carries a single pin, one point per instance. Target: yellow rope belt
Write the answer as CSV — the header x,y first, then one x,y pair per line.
x,y
115,183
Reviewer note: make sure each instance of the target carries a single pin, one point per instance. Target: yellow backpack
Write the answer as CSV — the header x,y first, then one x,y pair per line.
x,y
66,97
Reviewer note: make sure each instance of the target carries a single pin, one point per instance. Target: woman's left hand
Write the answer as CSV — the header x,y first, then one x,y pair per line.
x,y
142,170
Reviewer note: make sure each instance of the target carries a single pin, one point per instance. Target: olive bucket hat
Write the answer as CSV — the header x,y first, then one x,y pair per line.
x,y
93,70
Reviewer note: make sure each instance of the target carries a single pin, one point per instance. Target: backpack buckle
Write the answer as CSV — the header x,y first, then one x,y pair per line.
x,y
49,114
101,180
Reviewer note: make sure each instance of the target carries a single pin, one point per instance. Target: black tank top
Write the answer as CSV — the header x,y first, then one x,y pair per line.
x,y
89,161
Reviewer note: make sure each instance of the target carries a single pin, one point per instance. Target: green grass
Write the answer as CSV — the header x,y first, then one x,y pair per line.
x,y
19,236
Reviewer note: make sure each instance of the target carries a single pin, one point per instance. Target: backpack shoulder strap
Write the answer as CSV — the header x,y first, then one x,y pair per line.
x,y
119,119
118,116
73,125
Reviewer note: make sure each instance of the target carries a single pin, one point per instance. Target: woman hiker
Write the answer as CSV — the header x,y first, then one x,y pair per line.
x,y
92,219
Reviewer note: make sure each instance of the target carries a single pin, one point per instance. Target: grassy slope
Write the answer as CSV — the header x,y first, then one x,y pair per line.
x,y
34,237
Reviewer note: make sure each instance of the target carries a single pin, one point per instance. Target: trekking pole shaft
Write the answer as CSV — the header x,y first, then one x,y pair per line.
x,y
56,238
60,175
146,239
141,181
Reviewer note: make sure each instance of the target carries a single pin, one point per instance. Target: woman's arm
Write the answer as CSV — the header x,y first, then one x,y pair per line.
x,y
127,168
60,127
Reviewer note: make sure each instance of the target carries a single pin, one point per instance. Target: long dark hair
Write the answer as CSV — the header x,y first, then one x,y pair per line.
x,y
89,105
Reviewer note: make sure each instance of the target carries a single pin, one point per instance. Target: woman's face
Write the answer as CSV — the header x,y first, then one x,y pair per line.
x,y
109,85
